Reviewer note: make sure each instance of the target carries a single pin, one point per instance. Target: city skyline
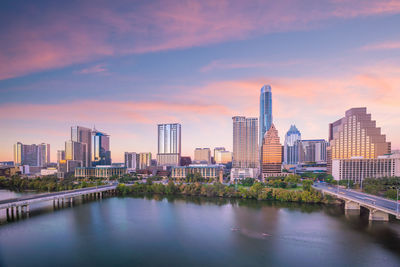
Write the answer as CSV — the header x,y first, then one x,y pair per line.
x,y
200,77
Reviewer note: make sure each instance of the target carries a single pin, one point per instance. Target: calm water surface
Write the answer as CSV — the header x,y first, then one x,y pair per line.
x,y
155,231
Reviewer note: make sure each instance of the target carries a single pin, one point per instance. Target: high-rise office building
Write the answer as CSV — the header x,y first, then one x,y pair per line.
x,y
265,111
291,149
60,155
202,155
144,160
356,135
75,151
83,135
271,152
312,150
101,154
18,154
169,144
43,154
130,161
32,155
245,142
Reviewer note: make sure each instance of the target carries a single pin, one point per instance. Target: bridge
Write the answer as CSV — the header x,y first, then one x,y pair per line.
x,y
379,208
21,204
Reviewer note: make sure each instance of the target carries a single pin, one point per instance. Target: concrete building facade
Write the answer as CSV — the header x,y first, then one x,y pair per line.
x,y
245,142
202,156
357,169
206,171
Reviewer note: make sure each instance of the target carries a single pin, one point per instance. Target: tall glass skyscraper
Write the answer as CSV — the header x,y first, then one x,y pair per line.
x,y
265,111
291,148
101,154
83,135
169,144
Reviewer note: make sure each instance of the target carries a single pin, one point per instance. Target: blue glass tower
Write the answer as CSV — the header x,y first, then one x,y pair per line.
x,y
291,148
265,111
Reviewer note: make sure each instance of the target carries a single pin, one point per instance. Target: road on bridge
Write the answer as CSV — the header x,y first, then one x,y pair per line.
x,y
60,194
361,197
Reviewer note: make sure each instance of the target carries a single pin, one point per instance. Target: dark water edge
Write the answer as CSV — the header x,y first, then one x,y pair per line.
x,y
154,230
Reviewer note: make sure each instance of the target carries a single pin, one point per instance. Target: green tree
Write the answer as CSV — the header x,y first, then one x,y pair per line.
x,y
391,193
307,185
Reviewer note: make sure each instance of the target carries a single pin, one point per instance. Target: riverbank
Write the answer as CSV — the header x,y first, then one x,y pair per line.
x,y
257,191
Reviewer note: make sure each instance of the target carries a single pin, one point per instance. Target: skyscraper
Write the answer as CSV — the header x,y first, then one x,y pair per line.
x,y
245,142
356,135
169,144
291,149
75,151
101,154
83,135
60,155
271,153
43,154
131,161
32,155
265,111
144,160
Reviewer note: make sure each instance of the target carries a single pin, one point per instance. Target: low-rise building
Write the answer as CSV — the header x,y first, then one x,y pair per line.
x,y
100,171
8,171
314,167
243,173
358,168
206,171
48,171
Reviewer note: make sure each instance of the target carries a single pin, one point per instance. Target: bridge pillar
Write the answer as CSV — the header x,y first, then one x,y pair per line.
x,y
351,205
378,215
27,208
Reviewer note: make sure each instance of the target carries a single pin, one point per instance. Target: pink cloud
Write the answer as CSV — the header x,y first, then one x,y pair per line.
x,y
117,112
382,46
52,38
206,110
94,69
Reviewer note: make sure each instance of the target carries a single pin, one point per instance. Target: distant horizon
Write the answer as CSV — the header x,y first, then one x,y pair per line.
x,y
125,67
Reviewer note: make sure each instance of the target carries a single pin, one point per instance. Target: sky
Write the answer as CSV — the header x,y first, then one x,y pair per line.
x,y
124,66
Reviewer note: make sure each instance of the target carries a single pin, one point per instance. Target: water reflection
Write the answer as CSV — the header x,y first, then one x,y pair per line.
x,y
229,231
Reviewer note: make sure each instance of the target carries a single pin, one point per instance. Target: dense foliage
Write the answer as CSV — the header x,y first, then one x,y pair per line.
x,y
47,183
386,186
258,191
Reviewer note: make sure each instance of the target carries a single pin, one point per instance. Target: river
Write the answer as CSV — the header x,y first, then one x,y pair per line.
x,y
194,231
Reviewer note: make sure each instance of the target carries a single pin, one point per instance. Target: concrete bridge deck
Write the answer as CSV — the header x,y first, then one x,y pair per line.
x,y
21,203
379,208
